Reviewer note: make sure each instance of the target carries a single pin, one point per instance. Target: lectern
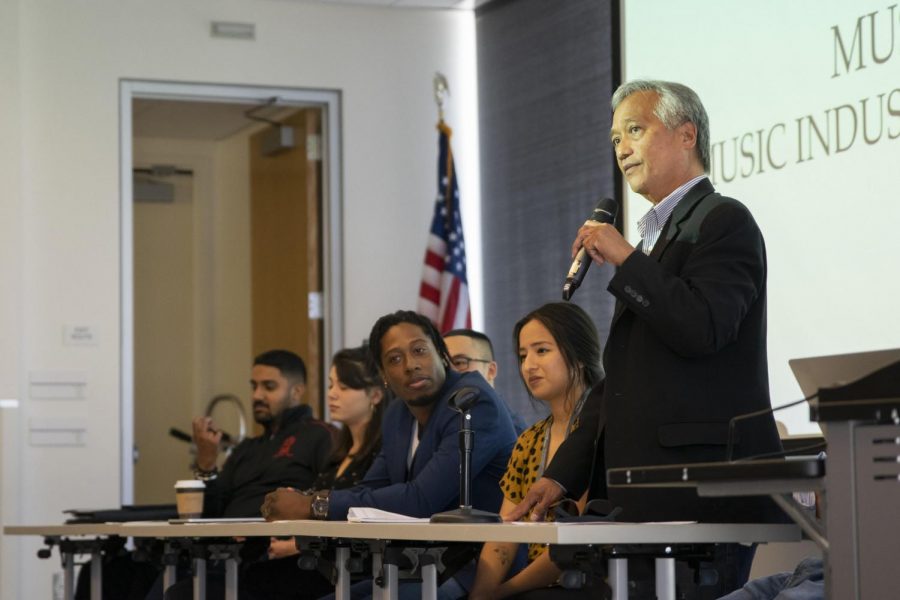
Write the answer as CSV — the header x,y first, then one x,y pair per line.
x,y
857,404
861,423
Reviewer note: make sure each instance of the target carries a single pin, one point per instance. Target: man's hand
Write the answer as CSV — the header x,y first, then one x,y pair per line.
x,y
281,548
602,242
285,504
207,439
541,496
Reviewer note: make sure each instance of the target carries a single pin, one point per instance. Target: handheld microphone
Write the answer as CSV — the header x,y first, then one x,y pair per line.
x,y
178,434
605,212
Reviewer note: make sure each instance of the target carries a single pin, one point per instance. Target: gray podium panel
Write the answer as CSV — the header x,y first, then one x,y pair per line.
x,y
863,495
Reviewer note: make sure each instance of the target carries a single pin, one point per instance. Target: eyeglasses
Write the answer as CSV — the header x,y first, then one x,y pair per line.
x,y
461,362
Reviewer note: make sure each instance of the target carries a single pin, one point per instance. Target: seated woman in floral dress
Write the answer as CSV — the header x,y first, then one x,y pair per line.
x,y
559,363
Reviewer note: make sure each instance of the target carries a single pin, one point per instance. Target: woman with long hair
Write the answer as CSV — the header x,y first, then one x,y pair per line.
x,y
559,363
357,400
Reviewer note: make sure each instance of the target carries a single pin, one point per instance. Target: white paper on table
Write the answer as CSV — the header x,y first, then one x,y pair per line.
x,y
364,514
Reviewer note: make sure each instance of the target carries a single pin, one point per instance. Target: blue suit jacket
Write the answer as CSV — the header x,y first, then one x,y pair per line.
x,y
431,485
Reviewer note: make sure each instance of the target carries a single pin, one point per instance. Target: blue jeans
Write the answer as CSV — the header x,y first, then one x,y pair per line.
x,y
807,582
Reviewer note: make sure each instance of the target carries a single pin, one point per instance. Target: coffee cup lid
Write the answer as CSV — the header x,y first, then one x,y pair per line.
x,y
194,484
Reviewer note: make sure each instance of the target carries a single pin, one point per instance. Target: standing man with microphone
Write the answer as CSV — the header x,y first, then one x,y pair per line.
x,y
687,345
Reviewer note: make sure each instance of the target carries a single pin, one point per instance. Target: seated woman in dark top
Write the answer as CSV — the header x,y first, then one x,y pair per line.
x,y
356,400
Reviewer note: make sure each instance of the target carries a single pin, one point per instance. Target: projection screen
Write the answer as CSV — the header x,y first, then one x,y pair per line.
x,y
804,105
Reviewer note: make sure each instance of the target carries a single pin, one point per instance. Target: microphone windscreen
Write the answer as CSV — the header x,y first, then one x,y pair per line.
x,y
605,211
464,398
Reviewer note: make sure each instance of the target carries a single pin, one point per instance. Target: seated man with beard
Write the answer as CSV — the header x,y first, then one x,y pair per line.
x,y
292,450
410,474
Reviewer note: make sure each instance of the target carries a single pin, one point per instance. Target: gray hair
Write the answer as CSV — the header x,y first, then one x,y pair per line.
x,y
677,104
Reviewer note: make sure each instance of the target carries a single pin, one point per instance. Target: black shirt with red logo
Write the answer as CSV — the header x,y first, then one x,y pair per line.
x,y
293,456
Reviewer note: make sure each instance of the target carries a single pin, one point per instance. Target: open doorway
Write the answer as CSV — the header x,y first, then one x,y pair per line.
x,y
230,213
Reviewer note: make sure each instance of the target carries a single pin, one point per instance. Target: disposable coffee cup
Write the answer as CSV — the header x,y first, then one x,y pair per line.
x,y
189,498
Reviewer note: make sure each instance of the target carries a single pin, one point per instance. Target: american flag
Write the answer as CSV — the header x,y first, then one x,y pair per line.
x,y
444,293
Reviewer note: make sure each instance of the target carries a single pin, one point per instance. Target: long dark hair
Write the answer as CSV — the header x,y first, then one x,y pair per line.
x,y
354,371
575,335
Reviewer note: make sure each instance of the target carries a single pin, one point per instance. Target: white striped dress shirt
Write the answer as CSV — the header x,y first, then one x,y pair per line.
x,y
652,223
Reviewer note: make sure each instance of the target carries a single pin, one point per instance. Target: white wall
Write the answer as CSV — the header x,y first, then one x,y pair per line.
x,y
10,215
10,287
65,71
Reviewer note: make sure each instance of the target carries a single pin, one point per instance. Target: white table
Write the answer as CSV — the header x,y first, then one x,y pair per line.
x,y
541,533
70,532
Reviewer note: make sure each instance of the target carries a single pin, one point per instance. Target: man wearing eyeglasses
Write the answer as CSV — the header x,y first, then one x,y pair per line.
x,y
471,350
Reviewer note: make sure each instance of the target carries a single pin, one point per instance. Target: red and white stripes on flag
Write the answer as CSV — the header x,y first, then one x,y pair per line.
x,y
444,293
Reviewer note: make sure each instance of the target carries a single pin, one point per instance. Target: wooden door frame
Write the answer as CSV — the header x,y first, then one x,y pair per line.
x,y
332,201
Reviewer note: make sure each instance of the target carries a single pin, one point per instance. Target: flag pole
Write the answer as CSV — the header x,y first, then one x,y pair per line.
x,y
441,89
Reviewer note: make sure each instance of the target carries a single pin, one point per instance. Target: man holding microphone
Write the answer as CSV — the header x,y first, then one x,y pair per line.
x,y
687,345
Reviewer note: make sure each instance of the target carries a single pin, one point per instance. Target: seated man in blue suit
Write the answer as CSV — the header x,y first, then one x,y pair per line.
x,y
411,475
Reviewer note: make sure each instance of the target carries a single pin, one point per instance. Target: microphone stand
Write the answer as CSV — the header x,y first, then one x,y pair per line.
x,y
465,513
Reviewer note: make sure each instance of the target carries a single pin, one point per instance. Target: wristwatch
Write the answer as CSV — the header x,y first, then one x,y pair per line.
x,y
203,475
319,505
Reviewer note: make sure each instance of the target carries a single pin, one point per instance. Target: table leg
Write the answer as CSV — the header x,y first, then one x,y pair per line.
x,y
231,579
376,573
429,578
802,517
96,575
68,561
170,571
618,578
342,585
391,581
199,579
169,576
665,579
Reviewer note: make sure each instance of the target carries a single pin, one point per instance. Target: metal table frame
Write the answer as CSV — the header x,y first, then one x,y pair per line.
x,y
587,534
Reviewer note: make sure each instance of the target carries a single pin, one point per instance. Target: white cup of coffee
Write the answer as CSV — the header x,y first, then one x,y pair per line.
x,y
189,498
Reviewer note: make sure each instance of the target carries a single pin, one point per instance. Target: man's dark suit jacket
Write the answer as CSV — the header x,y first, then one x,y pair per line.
x,y
686,353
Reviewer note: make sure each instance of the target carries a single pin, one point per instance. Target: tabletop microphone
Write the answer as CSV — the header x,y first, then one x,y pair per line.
x,y
462,401
464,398
605,212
